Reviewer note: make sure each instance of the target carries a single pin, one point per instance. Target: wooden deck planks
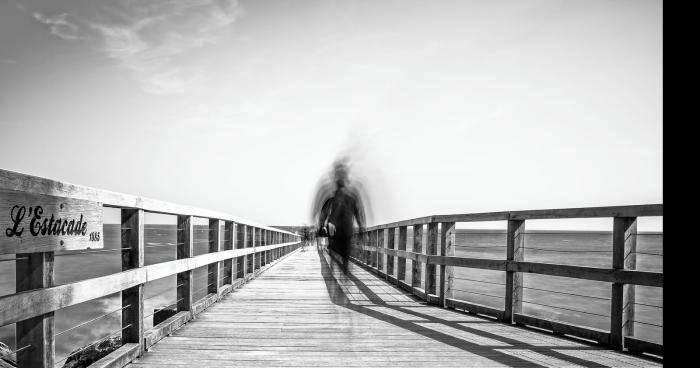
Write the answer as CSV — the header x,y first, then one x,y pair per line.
x,y
304,312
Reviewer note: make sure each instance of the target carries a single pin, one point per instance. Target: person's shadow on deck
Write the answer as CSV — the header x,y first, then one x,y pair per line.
x,y
335,280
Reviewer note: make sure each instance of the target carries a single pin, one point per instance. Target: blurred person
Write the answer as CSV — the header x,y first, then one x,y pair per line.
x,y
306,237
338,206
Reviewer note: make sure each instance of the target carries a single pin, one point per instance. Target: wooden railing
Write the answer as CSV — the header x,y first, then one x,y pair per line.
x,y
32,307
378,246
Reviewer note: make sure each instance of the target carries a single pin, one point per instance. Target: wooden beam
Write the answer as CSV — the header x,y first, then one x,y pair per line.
x,y
467,262
431,250
447,242
515,251
34,271
390,259
185,249
635,345
370,253
120,357
417,268
590,212
401,262
10,180
214,269
230,265
381,256
600,336
644,278
559,213
622,303
240,244
475,308
132,244
28,304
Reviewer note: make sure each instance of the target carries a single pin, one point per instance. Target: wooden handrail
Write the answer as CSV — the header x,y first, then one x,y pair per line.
x,y
10,180
561,213
251,245
374,253
28,304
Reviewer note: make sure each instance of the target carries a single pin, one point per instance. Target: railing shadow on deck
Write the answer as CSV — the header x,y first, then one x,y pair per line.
x,y
492,345
434,260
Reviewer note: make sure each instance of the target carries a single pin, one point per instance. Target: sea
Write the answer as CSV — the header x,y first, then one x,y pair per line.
x,y
581,302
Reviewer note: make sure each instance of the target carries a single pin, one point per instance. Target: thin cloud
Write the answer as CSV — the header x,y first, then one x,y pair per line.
x,y
59,25
154,36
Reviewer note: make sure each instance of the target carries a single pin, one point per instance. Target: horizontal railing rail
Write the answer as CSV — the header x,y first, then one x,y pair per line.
x,y
433,263
238,250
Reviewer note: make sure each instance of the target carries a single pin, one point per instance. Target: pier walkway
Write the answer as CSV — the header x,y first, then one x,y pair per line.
x,y
304,312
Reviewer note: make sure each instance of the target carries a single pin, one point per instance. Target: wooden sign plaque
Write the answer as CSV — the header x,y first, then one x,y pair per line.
x,y
31,223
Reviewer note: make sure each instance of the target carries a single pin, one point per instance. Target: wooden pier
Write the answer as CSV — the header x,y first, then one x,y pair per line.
x,y
305,312
270,303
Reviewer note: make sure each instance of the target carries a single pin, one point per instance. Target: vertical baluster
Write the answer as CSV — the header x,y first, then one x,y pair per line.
x,y
214,269
243,244
380,255
430,269
35,271
252,256
185,249
261,243
132,242
229,243
401,262
257,243
515,251
623,296
417,269
447,248
268,241
254,233
390,260
371,256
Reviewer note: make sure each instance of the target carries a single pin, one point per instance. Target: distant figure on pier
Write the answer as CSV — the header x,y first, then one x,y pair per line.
x,y
307,236
337,206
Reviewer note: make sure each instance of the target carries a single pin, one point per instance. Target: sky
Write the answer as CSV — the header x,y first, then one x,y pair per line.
x,y
242,106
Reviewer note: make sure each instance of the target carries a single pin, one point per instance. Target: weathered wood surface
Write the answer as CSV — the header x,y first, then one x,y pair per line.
x,y
645,278
304,312
41,223
28,304
15,181
559,213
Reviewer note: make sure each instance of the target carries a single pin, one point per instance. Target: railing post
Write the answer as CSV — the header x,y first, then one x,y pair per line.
x,y
242,231
261,242
256,245
368,253
214,269
265,242
447,242
390,238
185,249
623,296
253,243
515,251
34,271
417,268
132,234
229,265
380,255
401,262
249,243
430,269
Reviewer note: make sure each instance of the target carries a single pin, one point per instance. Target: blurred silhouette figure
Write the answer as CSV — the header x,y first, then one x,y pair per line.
x,y
337,206
307,236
